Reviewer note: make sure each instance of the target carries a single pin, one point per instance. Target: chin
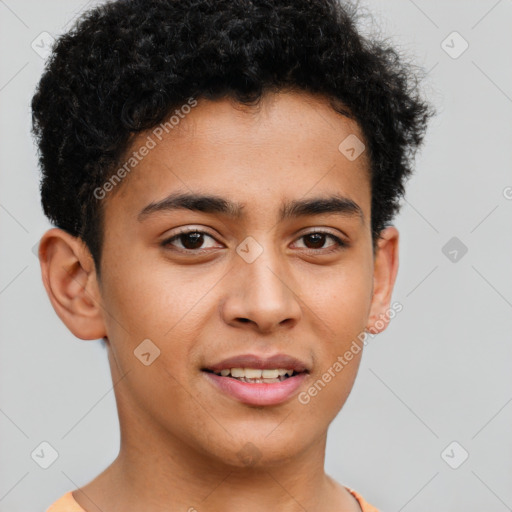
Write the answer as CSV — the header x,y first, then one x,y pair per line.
x,y
258,449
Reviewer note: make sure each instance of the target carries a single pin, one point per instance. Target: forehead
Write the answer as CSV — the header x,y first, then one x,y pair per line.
x,y
291,145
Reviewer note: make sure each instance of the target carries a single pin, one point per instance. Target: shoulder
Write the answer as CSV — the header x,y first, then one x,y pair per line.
x,y
65,503
365,506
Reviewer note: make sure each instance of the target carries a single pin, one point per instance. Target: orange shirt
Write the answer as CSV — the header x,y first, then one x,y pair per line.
x,y
67,503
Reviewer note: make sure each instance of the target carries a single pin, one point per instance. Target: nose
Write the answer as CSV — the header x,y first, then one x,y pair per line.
x,y
262,295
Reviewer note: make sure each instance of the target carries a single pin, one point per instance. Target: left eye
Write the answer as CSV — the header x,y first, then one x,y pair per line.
x,y
317,240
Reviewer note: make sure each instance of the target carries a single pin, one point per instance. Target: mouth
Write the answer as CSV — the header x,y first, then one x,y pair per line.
x,y
256,375
258,381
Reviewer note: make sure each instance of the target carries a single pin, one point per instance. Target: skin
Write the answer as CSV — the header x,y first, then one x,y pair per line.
x,y
181,439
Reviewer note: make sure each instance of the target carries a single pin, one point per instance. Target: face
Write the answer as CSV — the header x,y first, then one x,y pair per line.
x,y
276,272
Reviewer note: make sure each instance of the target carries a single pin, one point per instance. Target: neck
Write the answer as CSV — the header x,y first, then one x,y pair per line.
x,y
153,475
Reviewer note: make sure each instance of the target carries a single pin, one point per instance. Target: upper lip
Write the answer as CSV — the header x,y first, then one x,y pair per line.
x,y
276,361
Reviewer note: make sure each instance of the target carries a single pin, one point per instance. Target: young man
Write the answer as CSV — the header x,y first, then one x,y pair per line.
x,y
222,175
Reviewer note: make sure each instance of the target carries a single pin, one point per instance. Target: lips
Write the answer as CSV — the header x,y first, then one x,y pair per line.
x,y
258,391
262,363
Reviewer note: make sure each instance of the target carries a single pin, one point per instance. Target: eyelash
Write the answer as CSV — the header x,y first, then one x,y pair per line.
x,y
339,243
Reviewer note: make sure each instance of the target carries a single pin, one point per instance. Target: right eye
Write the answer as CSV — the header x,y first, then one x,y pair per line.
x,y
191,240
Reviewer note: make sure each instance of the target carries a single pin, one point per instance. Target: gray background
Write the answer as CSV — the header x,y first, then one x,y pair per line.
x,y
440,372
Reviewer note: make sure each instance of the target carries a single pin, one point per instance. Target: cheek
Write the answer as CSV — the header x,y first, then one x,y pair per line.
x,y
345,312
341,299
167,308
151,302
342,303
148,305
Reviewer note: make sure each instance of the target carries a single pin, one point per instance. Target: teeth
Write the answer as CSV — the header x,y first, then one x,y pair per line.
x,y
255,373
252,373
261,381
237,372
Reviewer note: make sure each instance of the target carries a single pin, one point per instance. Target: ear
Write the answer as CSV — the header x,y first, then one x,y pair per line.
x,y
384,275
69,277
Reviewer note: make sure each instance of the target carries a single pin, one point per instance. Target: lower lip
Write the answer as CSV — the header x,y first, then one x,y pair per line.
x,y
257,393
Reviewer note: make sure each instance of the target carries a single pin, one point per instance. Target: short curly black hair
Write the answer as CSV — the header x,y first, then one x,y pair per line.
x,y
125,65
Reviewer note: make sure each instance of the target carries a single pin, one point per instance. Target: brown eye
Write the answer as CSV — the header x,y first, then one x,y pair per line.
x,y
316,241
191,240
188,241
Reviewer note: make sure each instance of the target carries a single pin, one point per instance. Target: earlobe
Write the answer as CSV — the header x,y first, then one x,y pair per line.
x,y
70,280
384,276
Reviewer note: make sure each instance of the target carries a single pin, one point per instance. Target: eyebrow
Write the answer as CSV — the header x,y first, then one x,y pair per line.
x,y
206,203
